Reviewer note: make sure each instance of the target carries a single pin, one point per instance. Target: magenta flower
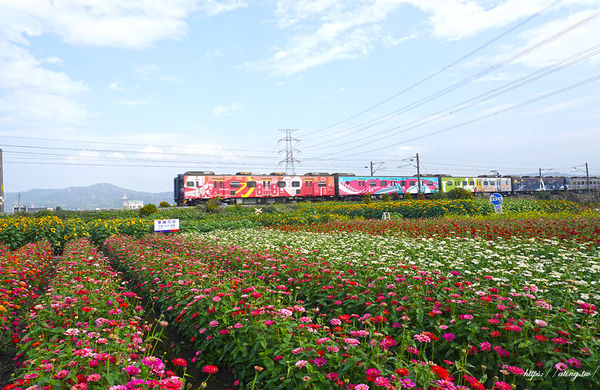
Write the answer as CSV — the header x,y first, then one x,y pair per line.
x,y
448,336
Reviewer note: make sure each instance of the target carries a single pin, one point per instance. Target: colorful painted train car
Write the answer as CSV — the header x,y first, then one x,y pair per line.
x,y
528,184
476,184
379,185
195,187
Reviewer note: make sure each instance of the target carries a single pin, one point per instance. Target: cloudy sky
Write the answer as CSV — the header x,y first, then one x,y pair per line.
x,y
133,93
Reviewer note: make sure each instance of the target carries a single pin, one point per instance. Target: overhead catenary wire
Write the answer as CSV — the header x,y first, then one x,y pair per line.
x,y
453,87
440,70
480,118
491,94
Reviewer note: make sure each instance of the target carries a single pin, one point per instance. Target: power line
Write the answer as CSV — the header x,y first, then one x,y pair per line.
x,y
453,87
493,93
443,69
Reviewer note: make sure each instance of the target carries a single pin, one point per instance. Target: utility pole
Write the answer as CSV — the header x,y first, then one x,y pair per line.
x,y
418,175
289,150
1,184
587,177
372,164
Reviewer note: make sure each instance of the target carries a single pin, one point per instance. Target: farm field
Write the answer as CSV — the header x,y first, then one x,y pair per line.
x,y
448,303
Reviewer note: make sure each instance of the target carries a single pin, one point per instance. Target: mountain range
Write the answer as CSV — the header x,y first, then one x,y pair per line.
x,y
97,196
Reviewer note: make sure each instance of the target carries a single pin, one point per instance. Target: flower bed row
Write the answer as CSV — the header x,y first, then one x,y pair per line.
x,y
569,230
87,332
18,231
357,317
22,273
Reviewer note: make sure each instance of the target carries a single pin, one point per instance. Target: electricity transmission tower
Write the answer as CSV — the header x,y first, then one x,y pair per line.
x,y
289,151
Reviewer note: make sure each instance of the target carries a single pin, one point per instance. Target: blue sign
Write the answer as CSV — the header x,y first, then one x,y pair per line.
x,y
496,199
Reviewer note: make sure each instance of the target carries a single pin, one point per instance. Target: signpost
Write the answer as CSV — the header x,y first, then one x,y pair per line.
x,y
166,225
496,200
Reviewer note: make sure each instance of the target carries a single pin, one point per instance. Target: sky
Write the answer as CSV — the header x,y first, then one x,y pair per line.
x,y
135,92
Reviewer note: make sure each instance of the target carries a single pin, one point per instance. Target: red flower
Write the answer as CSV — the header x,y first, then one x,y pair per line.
x,y
210,369
179,362
402,371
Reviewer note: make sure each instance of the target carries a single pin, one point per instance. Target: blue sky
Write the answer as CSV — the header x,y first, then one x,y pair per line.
x,y
133,93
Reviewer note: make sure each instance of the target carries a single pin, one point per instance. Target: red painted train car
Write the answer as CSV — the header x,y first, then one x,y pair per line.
x,y
196,187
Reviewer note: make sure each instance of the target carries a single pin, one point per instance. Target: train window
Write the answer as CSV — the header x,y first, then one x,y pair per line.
x,y
412,183
456,183
231,192
361,183
297,191
251,184
323,183
464,182
296,184
189,184
347,182
234,184
485,182
280,184
403,183
449,183
471,183
373,183
383,183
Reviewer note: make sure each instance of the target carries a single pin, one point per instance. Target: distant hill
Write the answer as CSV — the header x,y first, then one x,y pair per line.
x,y
103,196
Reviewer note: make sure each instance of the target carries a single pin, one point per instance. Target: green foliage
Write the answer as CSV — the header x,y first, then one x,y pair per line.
x,y
164,204
212,205
438,195
148,210
366,198
459,193
542,195
385,197
408,196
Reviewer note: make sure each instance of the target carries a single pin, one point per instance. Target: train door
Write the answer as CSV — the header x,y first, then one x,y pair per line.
x,y
217,187
266,187
309,188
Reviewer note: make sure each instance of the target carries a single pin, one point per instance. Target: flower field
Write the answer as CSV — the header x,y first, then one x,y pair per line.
x,y
358,311
86,331
446,303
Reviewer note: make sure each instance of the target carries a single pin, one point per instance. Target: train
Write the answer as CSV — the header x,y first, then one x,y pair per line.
x,y
197,187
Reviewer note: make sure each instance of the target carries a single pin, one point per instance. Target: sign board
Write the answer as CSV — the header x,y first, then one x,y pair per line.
x,y
498,208
496,199
385,215
166,225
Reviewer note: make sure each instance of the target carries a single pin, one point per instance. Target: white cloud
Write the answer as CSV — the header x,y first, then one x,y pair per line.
x,y
224,111
324,31
115,86
146,72
214,7
32,92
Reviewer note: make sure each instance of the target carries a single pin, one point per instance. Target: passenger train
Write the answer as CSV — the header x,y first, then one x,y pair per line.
x,y
196,187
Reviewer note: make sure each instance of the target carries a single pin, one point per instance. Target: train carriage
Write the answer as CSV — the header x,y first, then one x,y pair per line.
x,y
198,187
528,184
477,184
379,185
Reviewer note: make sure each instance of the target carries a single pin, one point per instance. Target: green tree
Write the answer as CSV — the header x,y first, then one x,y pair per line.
x,y
459,193
148,210
164,204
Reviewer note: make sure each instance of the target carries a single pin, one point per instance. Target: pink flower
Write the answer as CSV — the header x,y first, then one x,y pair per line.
x,y
61,374
485,346
213,323
301,363
502,386
132,370
93,377
361,386
561,366
332,376
574,362
448,336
